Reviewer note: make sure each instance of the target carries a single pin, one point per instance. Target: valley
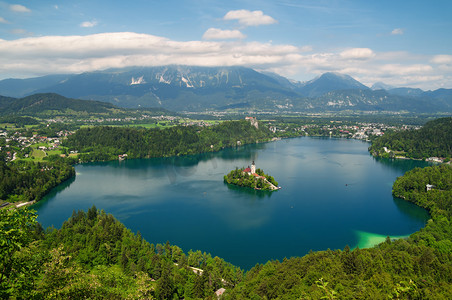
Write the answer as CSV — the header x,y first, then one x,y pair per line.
x,y
134,138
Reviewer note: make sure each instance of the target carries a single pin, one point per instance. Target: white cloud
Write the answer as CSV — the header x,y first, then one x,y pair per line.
x,y
249,18
2,20
219,34
88,24
403,70
397,31
442,59
35,56
19,8
357,53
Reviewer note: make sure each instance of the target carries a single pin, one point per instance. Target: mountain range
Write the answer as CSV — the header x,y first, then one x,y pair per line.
x,y
191,88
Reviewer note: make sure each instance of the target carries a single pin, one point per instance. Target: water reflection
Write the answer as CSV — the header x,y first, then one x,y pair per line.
x,y
402,165
411,210
254,194
186,166
54,192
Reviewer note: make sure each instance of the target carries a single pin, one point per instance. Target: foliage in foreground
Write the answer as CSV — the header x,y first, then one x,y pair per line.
x,y
94,256
27,181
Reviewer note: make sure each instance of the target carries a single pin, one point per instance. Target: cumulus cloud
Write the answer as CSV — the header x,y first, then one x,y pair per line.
x,y
442,59
38,55
88,24
19,8
2,20
357,53
397,31
249,18
219,34
35,56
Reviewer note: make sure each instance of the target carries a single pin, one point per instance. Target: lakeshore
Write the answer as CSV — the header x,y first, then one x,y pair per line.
x,y
198,213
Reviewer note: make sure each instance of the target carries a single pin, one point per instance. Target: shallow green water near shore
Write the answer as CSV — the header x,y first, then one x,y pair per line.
x,y
333,193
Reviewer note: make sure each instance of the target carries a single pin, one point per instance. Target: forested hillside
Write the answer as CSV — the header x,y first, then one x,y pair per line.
x,y
45,103
434,139
28,181
93,256
106,143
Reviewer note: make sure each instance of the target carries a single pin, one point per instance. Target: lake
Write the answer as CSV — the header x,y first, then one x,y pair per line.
x,y
334,193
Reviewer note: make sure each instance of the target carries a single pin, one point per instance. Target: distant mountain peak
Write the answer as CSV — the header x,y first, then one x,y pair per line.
x,y
194,88
335,74
330,81
381,86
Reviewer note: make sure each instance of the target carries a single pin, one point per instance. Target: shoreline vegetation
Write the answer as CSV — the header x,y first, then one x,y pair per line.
x,y
108,143
432,142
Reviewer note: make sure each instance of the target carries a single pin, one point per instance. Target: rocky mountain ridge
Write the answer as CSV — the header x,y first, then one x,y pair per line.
x,y
191,88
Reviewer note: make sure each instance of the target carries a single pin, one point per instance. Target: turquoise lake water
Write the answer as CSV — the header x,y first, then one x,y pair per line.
x,y
334,193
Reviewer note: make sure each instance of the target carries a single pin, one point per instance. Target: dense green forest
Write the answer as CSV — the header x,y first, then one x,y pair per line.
x,y
19,121
44,103
434,139
26,110
241,178
106,143
94,256
26,180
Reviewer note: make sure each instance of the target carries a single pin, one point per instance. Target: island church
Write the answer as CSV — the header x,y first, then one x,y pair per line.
x,y
251,170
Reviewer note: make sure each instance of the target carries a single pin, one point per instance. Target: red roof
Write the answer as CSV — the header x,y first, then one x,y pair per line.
x,y
247,170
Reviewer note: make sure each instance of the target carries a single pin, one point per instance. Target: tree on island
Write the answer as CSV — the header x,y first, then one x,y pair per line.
x,y
252,178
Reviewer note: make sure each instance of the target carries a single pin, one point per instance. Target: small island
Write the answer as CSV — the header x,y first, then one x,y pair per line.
x,y
252,178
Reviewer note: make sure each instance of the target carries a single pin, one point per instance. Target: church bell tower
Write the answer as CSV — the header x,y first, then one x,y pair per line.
x,y
253,168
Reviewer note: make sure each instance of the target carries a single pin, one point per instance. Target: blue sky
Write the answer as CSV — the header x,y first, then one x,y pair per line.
x,y
402,43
